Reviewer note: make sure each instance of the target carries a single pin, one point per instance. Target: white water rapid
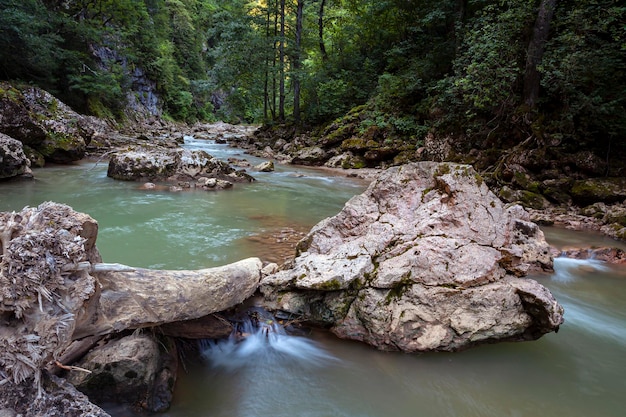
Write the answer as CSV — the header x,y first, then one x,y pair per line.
x,y
267,341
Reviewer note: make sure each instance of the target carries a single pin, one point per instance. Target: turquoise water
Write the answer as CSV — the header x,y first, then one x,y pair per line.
x,y
578,372
187,229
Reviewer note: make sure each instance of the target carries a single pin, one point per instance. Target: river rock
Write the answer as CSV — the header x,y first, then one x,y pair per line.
x,y
45,124
427,258
267,166
593,190
156,163
312,155
13,161
122,371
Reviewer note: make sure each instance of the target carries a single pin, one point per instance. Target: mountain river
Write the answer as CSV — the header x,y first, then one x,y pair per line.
x,y
578,372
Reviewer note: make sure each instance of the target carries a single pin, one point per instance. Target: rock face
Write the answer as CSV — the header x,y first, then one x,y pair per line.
x,y
13,161
144,163
43,123
426,259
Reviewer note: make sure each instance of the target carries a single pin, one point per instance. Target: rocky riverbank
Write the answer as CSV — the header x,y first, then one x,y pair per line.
x,y
574,190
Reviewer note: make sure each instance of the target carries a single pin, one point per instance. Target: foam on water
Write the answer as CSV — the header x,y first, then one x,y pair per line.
x,y
268,342
567,269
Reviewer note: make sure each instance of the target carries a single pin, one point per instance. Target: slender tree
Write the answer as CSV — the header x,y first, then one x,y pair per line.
x,y
320,25
281,64
297,61
536,48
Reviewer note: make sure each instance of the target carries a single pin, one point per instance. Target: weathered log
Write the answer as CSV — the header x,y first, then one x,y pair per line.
x,y
138,298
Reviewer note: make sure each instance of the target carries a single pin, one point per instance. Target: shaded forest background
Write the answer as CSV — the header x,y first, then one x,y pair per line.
x,y
494,73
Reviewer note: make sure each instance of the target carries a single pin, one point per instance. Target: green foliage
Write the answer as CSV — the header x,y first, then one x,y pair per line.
x,y
28,42
584,75
456,67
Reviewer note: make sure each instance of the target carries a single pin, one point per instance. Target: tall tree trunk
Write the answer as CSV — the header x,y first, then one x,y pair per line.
x,y
266,81
296,62
274,59
536,48
321,30
281,64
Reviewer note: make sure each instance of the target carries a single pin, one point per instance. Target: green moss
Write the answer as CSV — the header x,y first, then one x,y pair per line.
x,y
332,285
354,144
11,93
606,190
442,169
399,289
426,191
532,200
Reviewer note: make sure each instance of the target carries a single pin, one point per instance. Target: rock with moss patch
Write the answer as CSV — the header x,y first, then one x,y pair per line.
x,y
13,161
593,190
42,122
426,259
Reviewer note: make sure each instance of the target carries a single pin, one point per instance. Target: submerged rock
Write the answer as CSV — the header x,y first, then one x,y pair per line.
x,y
426,259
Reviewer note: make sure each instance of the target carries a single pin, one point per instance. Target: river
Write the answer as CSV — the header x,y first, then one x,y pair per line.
x,y
579,371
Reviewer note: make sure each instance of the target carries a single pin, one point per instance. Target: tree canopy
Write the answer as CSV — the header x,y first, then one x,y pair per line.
x,y
487,70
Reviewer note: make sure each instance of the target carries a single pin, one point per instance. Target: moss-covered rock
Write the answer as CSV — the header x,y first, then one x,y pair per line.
x,y
555,190
45,124
592,190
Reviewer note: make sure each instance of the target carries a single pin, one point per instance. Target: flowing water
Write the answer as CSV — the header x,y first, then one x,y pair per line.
x,y
578,372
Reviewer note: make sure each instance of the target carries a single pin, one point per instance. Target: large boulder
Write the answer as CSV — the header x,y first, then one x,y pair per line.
x,y
427,258
156,163
13,161
43,123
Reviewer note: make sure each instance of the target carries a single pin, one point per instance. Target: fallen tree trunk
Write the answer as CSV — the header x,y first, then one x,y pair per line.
x,y
136,298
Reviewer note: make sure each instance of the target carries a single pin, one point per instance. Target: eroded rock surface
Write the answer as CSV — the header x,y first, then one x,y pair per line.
x,y
155,163
426,259
139,297
13,160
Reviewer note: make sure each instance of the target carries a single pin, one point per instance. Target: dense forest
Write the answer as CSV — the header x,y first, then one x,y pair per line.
x,y
489,71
